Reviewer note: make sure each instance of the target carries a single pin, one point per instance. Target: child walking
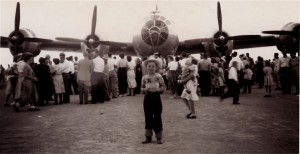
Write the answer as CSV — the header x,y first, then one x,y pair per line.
x,y
268,79
152,85
247,79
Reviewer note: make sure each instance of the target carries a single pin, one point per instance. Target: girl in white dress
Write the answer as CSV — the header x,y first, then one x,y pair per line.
x,y
268,79
58,82
189,94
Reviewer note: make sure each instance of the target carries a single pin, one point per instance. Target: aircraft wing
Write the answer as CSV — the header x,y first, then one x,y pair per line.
x,y
127,50
3,44
76,47
61,46
191,48
263,41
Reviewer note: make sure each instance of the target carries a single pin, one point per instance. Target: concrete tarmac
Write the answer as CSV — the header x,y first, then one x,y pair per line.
x,y
257,125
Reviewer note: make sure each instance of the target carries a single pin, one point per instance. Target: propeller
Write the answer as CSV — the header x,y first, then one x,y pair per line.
x,y
17,18
92,40
94,21
219,18
220,37
16,38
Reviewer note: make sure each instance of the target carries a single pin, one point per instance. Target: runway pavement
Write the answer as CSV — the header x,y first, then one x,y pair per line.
x,y
257,125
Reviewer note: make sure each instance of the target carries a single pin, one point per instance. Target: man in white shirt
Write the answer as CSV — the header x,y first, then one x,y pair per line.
x,y
233,84
240,65
98,79
204,70
73,78
285,74
66,76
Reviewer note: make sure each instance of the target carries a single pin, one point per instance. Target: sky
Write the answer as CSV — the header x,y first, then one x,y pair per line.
x,y
120,20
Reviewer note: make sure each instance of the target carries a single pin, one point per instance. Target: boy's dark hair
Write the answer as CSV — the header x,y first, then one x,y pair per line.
x,y
194,61
129,58
42,60
247,66
184,55
109,55
56,61
121,55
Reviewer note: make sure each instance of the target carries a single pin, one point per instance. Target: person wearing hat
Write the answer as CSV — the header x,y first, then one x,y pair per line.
x,y
152,85
28,94
12,79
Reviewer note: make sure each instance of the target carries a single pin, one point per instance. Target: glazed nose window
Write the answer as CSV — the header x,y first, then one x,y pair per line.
x,y
155,32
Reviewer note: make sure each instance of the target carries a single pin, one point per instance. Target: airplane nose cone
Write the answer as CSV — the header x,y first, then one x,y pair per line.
x,y
222,37
91,41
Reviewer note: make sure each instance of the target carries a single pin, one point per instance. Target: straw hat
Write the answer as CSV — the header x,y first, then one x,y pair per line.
x,y
152,60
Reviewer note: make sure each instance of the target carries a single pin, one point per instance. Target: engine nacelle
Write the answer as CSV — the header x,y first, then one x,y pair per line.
x,y
156,35
102,49
289,43
23,46
220,47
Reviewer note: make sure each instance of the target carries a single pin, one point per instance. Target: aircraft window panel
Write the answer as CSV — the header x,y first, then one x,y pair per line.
x,y
168,22
162,18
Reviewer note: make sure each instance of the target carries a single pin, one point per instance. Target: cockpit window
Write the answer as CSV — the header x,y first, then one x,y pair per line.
x,y
155,31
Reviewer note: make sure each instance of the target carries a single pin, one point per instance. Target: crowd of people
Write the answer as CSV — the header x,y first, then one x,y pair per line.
x,y
105,77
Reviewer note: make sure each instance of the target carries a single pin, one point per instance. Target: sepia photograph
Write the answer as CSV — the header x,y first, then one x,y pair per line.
x,y
153,76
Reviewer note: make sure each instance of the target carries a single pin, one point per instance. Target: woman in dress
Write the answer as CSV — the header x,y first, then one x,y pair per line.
x,y
28,93
214,77
268,79
58,82
131,77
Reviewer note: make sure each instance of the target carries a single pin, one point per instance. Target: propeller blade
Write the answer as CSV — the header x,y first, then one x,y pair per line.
x,y
219,17
243,37
4,38
28,39
69,39
111,43
17,18
196,41
94,21
278,32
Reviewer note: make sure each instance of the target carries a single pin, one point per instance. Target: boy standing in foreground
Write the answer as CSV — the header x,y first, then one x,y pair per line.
x,y
152,84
